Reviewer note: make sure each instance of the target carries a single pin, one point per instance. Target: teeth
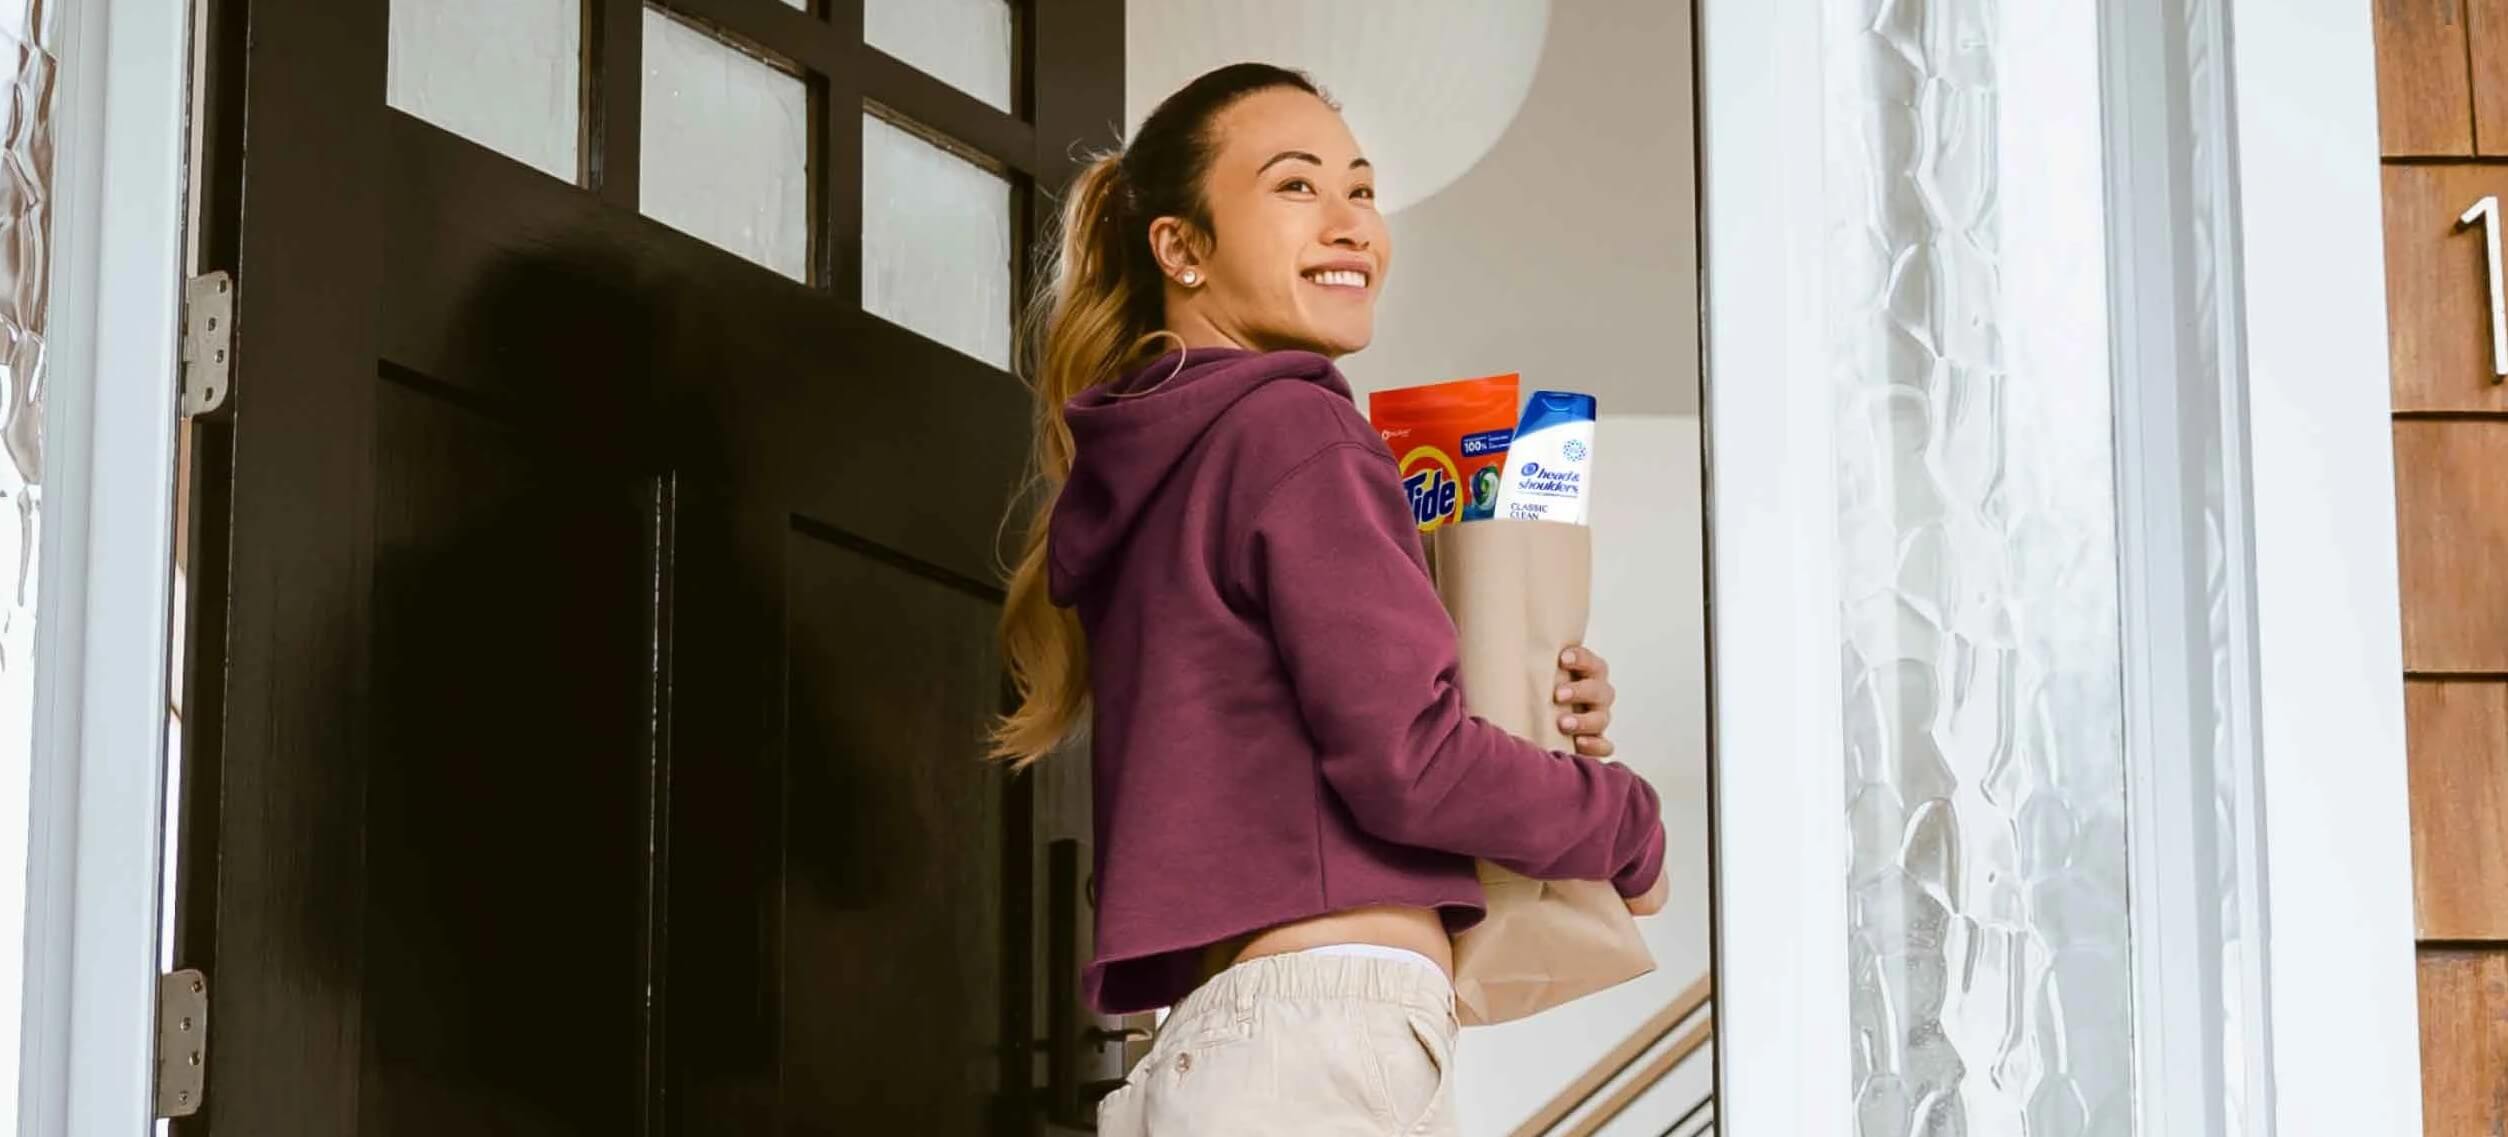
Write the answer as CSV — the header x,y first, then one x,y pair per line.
x,y
1340,278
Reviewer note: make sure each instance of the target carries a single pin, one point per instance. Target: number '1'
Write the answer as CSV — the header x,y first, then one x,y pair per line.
x,y
2487,211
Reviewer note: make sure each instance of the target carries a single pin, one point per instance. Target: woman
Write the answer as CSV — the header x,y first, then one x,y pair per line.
x,y
1289,793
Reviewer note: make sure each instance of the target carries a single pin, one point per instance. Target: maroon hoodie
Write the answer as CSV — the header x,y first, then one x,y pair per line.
x,y
1278,731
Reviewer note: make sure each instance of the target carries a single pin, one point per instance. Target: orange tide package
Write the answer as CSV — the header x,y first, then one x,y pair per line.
x,y
1451,440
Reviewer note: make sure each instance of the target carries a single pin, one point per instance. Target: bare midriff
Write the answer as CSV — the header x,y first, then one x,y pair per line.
x,y
1412,929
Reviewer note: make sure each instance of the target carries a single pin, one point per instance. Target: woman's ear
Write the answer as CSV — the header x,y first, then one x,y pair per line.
x,y
1178,248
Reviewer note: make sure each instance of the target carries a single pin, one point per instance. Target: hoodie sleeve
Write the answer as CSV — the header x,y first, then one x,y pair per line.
x,y
1334,559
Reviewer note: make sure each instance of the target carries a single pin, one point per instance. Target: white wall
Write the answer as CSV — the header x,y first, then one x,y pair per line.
x,y
1568,253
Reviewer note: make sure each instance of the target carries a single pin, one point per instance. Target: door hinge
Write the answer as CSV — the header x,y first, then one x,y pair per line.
x,y
208,341
182,1042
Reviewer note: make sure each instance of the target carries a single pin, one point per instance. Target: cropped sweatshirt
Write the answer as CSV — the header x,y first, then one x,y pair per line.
x,y
1278,728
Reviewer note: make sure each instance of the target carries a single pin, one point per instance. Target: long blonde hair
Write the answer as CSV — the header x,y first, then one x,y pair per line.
x,y
1100,308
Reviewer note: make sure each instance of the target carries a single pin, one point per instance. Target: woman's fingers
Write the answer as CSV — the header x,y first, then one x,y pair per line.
x,y
1585,721
1587,695
1597,693
1584,662
1595,746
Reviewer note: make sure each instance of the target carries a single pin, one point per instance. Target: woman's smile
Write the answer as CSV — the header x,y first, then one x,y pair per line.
x,y
1343,276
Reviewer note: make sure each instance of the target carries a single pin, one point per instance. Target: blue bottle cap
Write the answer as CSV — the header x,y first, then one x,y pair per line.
x,y
1551,408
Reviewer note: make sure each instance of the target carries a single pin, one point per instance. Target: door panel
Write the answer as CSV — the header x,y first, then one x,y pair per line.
x,y
2459,758
894,940
511,626
2451,507
609,635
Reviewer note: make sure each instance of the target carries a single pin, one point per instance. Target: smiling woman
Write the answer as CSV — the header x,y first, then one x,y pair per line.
x,y
1291,796
1280,205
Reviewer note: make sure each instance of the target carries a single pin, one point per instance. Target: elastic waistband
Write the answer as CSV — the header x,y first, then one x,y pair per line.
x,y
1297,975
1372,951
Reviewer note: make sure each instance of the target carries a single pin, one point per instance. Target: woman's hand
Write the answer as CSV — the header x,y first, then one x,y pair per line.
x,y
1586,700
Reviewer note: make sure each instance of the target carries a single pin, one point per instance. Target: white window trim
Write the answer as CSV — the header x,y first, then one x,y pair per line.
x,y
1779,847
2166,130
88,1034
2315,691
2343,1002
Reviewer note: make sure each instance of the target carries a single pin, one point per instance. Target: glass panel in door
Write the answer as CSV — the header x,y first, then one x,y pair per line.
x,y
1991,972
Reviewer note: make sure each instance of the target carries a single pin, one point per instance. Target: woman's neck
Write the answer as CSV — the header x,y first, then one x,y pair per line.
x,y
1200,330
1197,331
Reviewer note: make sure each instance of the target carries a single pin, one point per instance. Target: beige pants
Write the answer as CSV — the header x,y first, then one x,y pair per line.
x,y
1311,1046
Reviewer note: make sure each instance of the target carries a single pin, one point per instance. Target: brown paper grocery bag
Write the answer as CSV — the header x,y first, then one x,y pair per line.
x,y
1518,591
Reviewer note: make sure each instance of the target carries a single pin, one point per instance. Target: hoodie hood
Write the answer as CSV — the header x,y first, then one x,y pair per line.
x,y
1128,436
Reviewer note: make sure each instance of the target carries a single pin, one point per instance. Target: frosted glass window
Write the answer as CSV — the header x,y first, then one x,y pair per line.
x,y
935,242
726,146
1991,983
26,154
505,74
964,43
31,23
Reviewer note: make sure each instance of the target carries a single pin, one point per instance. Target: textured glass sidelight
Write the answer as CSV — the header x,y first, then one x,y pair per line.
x,y
26,153
28,22
726,146
505,74
935,242
964,43
1990,963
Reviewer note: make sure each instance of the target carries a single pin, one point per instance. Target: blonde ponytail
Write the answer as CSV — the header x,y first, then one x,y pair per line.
x,y
1082,328
1099,309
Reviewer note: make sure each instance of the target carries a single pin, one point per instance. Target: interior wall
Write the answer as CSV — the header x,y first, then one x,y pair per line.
x,y
1569,253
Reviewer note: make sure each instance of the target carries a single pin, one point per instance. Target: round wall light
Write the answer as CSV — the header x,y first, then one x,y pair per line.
x,y
1428,86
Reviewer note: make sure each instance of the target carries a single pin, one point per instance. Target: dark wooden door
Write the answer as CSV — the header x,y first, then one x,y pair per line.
x,y
592,629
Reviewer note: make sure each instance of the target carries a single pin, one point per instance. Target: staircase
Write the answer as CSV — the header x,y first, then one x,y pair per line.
x,y
1633,1072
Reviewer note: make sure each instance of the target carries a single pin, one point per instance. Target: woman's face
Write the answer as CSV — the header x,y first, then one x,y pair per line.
x,y
1297,252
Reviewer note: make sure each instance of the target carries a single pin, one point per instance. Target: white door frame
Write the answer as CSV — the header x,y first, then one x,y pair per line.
x,y
2315,688
2310,422
1778,800
2343,1004
87,1036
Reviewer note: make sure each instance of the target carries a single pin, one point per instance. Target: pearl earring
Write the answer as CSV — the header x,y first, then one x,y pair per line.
x,y
1190,278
